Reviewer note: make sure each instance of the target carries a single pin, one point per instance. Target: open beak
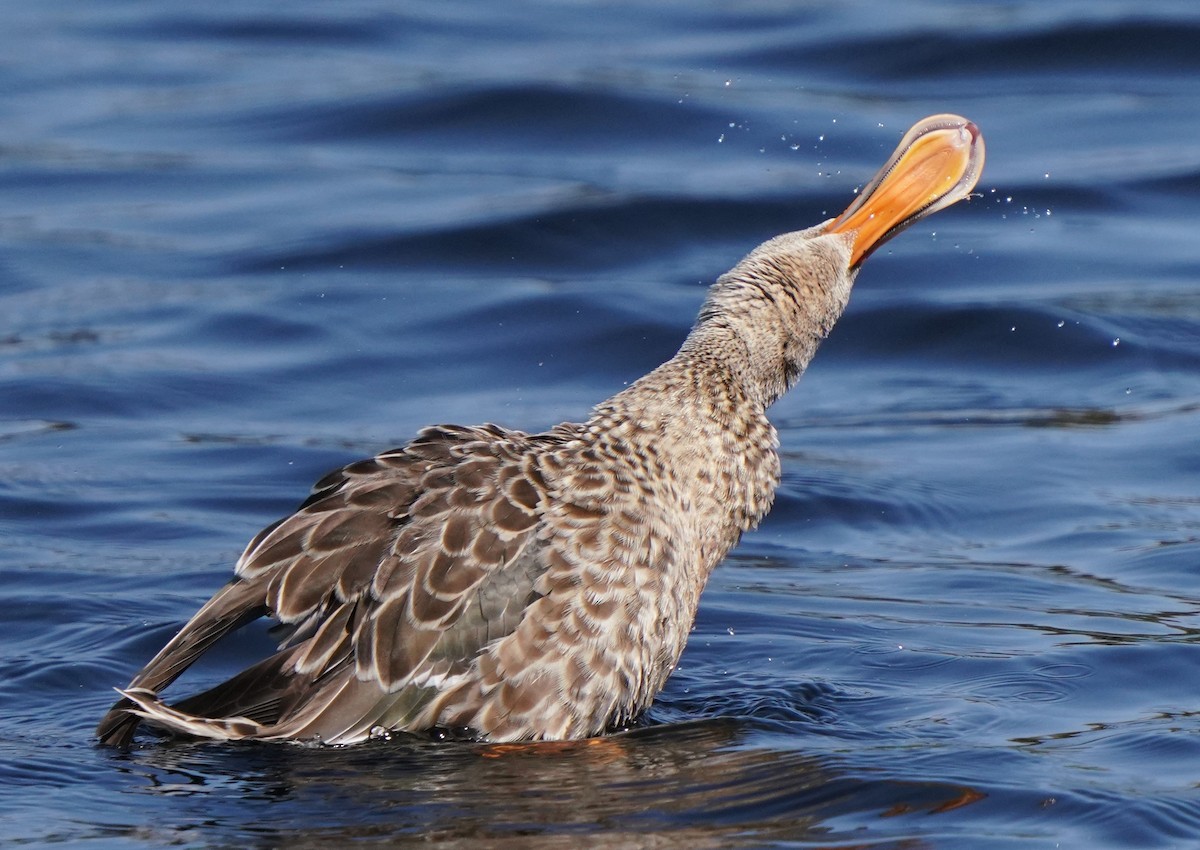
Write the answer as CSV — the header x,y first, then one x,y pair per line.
x,y
937,164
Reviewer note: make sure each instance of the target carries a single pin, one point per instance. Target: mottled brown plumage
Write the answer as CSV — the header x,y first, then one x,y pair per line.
x,y
518,586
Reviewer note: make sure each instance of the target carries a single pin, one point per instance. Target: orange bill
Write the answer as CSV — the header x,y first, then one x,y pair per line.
x,y
937,164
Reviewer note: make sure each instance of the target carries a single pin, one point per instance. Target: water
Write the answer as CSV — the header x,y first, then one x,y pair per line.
x,y
241,244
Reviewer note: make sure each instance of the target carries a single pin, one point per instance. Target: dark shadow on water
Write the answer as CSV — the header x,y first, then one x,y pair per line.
x,y
696,785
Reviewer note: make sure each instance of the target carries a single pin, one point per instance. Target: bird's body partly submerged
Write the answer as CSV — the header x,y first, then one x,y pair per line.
x,y
510,586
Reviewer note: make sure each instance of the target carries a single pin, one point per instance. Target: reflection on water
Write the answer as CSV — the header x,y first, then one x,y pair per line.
x,y
685,785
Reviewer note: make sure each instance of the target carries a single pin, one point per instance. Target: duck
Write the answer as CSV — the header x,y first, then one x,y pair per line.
x,y
487,583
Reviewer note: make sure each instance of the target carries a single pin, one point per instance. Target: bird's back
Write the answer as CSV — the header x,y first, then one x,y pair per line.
x,y
504,585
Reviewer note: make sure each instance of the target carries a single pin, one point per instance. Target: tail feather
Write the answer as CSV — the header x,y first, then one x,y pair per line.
x,y
344,710
147,706
234,606
117,727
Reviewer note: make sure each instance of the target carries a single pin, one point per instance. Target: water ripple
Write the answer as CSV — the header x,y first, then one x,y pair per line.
x,y
241,247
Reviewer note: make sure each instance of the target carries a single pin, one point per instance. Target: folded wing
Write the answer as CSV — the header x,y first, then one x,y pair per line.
x,y
387,581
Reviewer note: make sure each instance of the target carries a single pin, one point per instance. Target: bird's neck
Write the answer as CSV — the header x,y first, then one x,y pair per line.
x,y
693,424
764,319
699,420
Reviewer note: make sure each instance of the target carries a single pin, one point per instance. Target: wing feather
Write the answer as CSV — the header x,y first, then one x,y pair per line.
x,y
393,574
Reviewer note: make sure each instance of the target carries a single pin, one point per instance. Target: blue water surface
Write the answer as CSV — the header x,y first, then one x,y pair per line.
x,y
243,243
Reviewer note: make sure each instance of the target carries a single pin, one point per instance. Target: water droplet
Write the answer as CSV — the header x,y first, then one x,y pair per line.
x,y
729,629
1116,342
1061,322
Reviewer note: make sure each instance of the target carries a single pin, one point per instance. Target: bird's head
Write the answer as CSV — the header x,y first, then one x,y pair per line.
x,y
783,298
937,164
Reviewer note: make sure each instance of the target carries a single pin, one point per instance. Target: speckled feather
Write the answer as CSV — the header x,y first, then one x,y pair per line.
x,y
516,586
